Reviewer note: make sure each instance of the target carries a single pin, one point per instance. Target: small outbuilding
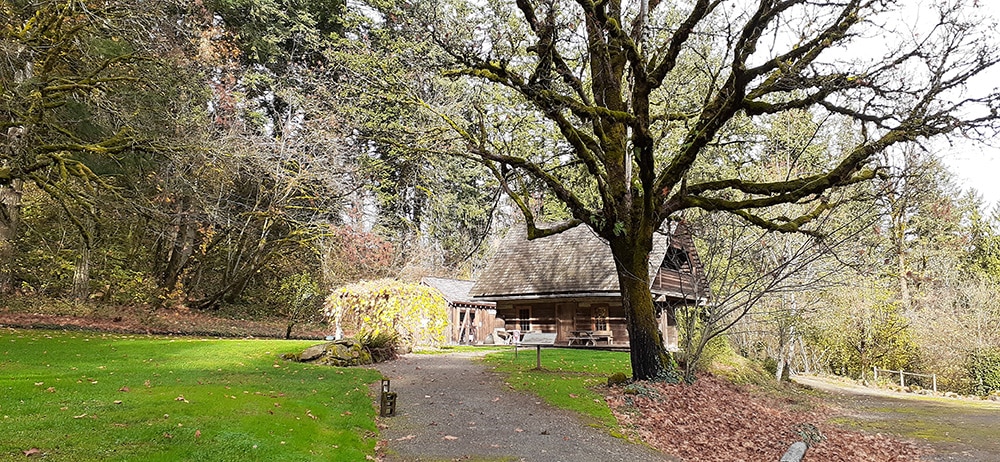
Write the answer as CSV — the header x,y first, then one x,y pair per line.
x,y
469,321
567,284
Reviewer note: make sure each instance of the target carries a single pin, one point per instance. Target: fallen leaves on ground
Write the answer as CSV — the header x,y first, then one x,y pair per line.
x,y
714,420
168,321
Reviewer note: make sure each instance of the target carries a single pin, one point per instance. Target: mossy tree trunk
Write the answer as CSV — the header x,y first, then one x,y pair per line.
x,y
81,274
10,218
650,360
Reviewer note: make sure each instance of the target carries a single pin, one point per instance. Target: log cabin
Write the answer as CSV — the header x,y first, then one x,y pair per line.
x,y
567,284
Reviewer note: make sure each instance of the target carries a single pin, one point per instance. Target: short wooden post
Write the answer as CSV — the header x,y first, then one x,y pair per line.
x,y
387,405
876,373
901,383
934,381
538,356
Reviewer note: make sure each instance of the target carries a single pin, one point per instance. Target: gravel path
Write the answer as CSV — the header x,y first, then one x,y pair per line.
x,y
450,407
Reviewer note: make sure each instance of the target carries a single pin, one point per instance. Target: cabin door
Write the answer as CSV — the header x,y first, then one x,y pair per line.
x,y
564,318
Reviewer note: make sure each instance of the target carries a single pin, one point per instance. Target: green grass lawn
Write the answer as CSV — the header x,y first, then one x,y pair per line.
x,y
567,377
80,396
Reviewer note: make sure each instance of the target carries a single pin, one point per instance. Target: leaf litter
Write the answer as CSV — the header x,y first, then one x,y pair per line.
x,y
714,420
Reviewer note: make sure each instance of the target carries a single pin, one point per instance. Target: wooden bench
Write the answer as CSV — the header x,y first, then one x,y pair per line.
x,y
590,337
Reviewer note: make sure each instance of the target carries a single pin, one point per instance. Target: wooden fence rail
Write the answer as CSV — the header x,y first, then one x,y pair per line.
x,y
902,374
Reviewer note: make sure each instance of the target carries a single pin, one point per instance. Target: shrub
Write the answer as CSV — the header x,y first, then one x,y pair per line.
x,y
382,346
617,378
728,363
415,314
983,367
297,299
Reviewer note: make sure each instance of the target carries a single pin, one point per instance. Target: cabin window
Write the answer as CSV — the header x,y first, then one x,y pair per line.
x,y
676,259
524,319
601,318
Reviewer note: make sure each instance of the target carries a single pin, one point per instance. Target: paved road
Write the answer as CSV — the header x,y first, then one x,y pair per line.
x,y
957,430
450,407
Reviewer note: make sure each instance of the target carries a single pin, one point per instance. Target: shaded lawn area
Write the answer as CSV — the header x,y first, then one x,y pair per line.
x,y
79,396
567,377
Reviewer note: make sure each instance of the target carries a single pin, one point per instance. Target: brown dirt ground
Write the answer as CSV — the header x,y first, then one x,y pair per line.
x,y
956,429
162,322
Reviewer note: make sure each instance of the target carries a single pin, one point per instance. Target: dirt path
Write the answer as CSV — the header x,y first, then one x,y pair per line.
x,y
957,430
452,408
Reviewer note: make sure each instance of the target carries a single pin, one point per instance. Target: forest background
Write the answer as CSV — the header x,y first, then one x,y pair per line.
x,y
247,157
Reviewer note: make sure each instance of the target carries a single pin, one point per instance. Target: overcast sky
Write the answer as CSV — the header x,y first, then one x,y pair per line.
x,y
977,166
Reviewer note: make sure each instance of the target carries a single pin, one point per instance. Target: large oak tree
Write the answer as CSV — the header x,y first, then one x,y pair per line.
x,y
642,98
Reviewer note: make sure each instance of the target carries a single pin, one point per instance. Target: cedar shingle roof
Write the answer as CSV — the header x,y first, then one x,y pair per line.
x,y
455,291
574,262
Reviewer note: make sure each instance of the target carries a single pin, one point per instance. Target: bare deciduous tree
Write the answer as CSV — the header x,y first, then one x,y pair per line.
x,y
639,95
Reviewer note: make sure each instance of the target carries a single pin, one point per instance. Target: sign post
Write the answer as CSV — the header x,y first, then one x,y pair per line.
x,y
538,340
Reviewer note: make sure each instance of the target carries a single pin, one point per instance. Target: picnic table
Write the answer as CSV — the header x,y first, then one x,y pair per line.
x,y
589,337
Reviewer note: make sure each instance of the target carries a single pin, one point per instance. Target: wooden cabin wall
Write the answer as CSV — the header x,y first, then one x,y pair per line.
x,y
481,324
487,319
452,324
563,317
619,327
673,281
540,316
668,326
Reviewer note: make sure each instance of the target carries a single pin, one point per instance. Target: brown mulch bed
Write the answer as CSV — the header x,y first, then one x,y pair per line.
x,y
163,322
714,420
